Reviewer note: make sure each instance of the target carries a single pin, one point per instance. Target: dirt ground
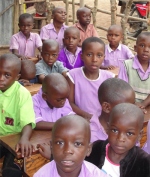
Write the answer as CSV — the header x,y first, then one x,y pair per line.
x,y
103,20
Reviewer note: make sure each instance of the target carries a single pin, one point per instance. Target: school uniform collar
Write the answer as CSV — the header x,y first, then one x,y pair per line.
x,y
30,38
10,90
51,26
110,50
76,53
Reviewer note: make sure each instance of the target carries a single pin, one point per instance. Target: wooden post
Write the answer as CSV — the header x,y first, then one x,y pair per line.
x,y
16,16
73,11
148,17
21,8
50,8
124,20
81,3
95,12
67,10
113,11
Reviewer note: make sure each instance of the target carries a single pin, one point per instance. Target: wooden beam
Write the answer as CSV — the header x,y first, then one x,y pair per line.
x,y
6,9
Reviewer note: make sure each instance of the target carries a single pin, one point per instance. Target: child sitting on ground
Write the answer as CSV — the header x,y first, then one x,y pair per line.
x,y
24,43
70,145
85,81
51,102
17,113
56,29
137,72
115,53
49,63
118,156
28,73
71,54
110,93
86,29
146,146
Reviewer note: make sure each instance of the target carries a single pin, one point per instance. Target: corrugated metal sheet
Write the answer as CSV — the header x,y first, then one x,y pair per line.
x,y
6,22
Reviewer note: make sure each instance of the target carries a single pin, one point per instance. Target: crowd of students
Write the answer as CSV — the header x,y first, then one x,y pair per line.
x,y
95,118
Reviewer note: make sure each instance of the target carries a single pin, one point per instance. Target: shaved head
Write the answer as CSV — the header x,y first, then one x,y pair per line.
x,y
50,43
72,29
130,111
72,121
142,35
56,9
55,82
115,27
82,9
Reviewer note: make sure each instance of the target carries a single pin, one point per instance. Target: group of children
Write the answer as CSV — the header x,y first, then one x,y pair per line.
x,y
91,114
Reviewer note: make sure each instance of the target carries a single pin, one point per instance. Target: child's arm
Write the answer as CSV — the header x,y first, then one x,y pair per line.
x,y
16,52
75,108
39,54
24,143
43,125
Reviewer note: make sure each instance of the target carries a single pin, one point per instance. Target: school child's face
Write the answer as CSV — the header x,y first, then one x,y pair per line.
x,y
71,39
93,56
56,99
142,48
123,134
50,54
84,17
114,36
60,15
69,148
26,26
8,74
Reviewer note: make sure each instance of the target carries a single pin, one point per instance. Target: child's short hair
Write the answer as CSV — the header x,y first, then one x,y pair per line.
x,y
146,33
12,59
90,40
130,110
24,16
28,70
72,28
55,9
50,42
81,10
111,90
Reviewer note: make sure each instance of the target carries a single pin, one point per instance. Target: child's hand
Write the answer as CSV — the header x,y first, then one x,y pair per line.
x,y
25,82
111,67
26,147
142,106
87,116
25,58
45,150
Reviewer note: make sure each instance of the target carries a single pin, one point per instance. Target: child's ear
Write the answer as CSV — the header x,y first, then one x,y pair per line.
x,y
44,96
18,76
135,48
140,135
106,107
89,149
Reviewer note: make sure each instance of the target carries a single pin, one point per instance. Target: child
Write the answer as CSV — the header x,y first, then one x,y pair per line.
x,y
146,147
50,50
118,156
85,81
24,43
56,29
86,29
136,72
17,113
70,144
115,53
71,54
28,73
110,93
51,103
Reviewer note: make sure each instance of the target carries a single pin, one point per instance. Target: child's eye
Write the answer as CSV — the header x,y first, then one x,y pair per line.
x,y
89,54
60,142
77,144
99,56
114,130
142,45
7,75
129,133
54,55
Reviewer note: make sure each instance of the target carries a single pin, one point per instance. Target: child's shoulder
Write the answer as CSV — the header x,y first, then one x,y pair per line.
x,y
76,70
105,73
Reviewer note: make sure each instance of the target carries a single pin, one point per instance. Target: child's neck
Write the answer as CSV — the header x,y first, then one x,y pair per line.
x,y
91,75
57,26
84,27
104,119
27,35
114,47
114,157
144,64
73,51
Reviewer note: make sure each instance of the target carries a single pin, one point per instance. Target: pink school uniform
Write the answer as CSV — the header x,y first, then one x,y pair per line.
x,y
44,113
86,96
49,32
116,58
146,146
97,130
90,31
70,60
87,170
25,47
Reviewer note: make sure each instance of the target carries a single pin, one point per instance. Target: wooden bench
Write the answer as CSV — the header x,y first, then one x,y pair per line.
x,y
33,89
36,161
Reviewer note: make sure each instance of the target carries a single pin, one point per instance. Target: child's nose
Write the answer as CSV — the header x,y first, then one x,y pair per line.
x,y
121,137
94,58
1,77
68,149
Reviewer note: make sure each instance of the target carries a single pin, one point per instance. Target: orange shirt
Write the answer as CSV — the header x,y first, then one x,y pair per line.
x,y
90,31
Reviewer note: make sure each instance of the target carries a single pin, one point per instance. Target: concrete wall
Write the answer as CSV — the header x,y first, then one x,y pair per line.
x,y
6,22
